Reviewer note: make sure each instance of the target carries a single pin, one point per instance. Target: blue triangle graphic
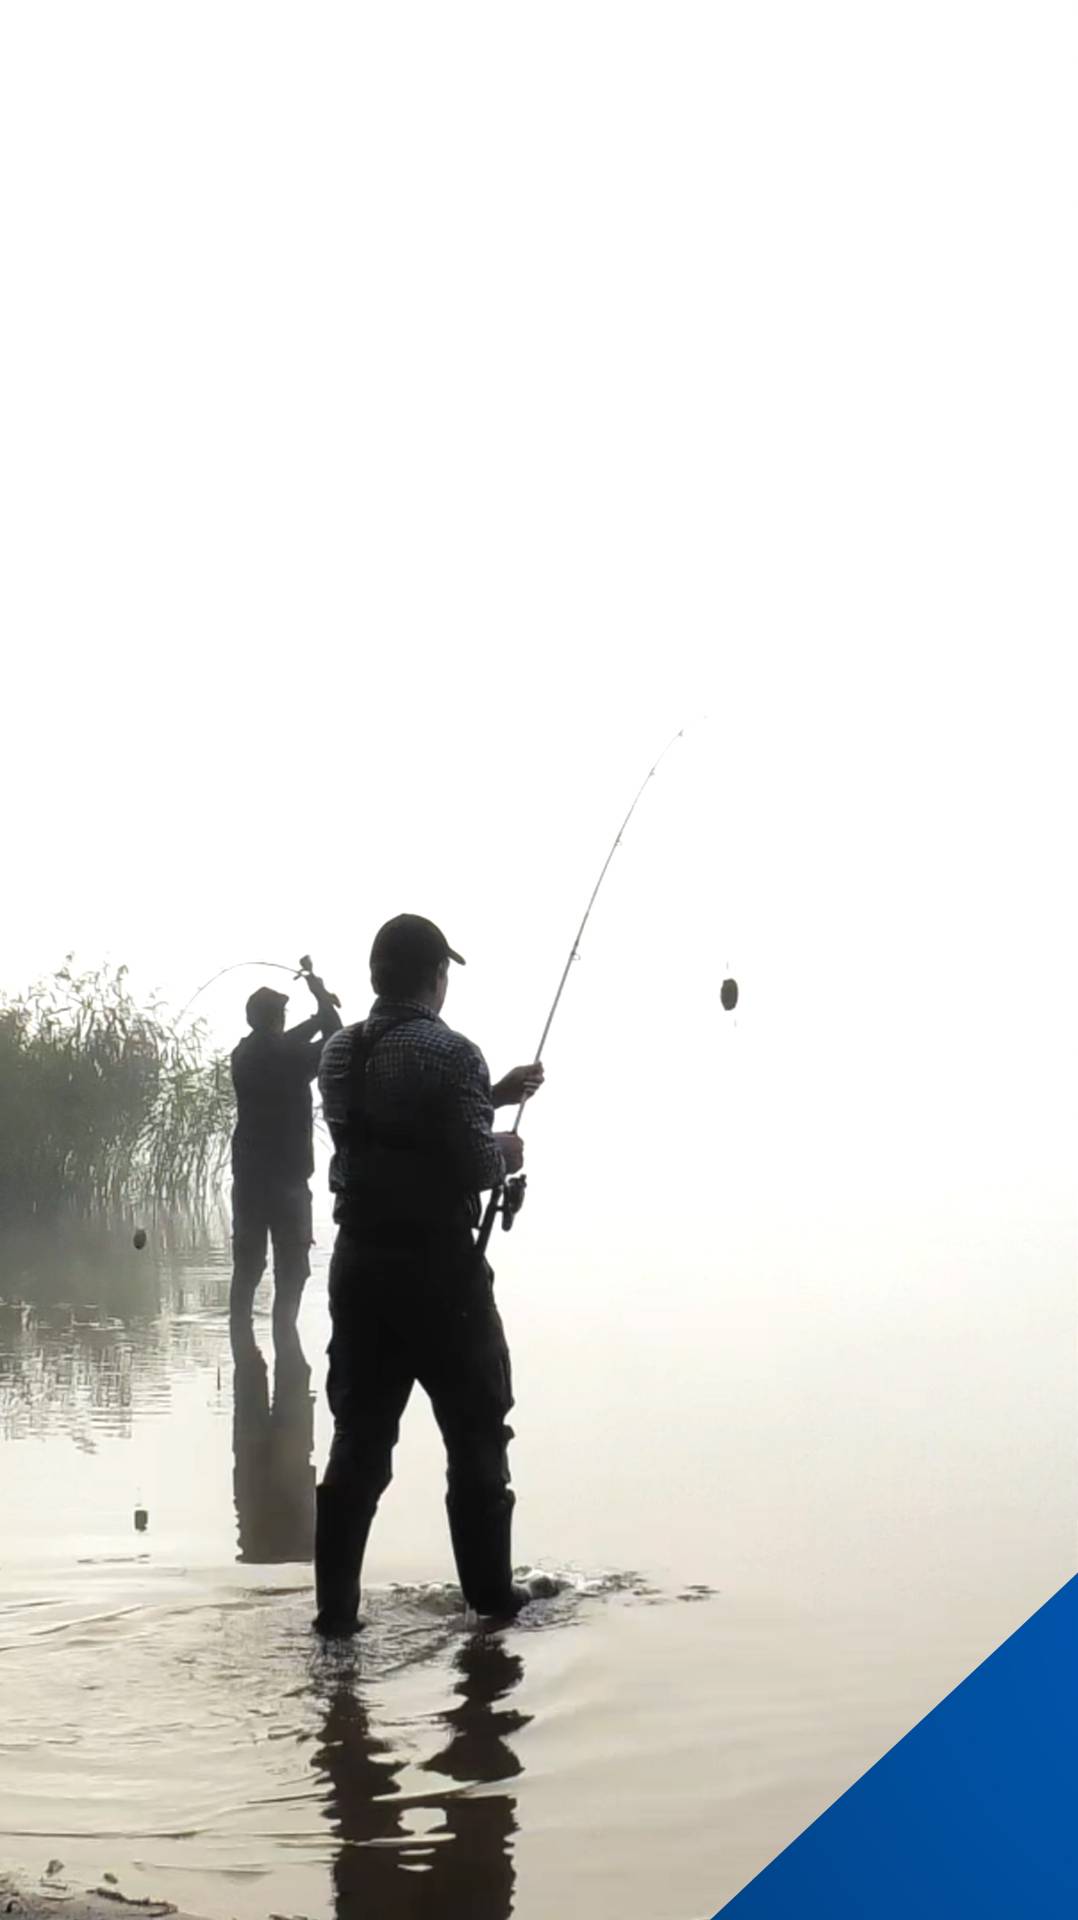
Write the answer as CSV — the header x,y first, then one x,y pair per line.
x,y
972,1816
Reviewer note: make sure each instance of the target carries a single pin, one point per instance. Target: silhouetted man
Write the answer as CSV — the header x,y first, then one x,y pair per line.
x,y
410,1107
273,1148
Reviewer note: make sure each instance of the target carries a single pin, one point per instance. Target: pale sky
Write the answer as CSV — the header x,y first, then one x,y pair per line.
x,y
413,416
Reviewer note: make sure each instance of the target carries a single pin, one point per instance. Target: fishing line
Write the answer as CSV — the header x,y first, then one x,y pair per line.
x,y
508,1198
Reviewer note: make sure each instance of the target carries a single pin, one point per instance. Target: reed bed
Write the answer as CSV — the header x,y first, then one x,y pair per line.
x,y
107,1107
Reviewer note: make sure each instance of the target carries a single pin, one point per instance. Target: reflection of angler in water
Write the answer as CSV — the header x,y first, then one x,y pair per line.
x,y
273,1473
463,1866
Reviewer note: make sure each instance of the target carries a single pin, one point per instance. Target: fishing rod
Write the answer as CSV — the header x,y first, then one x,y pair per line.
x,y
509,1197
306,968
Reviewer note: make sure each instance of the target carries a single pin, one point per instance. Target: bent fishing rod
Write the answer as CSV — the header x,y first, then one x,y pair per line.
x,y
306,968
508,1198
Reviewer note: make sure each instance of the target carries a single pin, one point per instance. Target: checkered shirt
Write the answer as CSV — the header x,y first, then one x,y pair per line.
x,y
418,1072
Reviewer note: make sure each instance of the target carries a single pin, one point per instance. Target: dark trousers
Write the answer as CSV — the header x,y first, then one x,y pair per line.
x,y
397,1317
265,1210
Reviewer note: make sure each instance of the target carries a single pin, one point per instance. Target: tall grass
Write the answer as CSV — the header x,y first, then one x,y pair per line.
x,y
106,1106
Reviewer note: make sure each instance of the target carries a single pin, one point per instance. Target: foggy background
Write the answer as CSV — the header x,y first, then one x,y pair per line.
x,y
411,420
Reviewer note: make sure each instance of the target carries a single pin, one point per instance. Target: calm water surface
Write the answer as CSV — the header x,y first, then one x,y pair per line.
x,y
775,1562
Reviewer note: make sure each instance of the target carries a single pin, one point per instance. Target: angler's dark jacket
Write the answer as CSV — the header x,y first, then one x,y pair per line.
x,y
407,1102
272,1073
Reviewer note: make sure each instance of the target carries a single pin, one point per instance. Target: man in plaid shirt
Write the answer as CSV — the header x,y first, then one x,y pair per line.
x,y
410,1108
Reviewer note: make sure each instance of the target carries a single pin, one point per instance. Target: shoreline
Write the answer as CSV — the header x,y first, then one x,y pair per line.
x,y
51,1895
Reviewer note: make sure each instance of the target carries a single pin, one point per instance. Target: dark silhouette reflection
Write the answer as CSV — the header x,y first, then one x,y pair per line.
x,y
273,1474
460,1865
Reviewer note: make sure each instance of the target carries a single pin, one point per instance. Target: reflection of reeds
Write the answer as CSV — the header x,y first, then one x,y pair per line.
x,y
97,1337
106,1106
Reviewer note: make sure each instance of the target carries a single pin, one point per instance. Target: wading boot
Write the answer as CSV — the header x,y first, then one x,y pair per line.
x,y
340,1537
482,1548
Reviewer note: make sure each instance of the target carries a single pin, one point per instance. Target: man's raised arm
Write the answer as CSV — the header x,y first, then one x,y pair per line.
x,y
326,1021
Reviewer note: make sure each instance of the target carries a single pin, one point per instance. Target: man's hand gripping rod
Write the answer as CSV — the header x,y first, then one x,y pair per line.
x,y
307,972
509,1197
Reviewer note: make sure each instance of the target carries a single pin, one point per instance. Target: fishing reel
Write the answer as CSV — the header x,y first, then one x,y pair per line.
x,y
512,1199
306,968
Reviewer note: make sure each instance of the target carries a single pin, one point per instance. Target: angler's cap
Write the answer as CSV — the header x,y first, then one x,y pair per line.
x,y
409,944
263,1004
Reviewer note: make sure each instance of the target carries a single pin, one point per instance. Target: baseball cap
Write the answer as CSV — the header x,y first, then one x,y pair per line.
x,y
262,1004
411,944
